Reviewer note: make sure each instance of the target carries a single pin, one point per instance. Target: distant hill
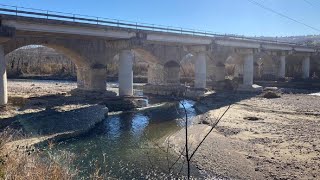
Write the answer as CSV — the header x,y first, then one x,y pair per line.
x,y
303,40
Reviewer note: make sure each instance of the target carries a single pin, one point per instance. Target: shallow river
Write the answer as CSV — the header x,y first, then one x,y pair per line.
x,y
124,146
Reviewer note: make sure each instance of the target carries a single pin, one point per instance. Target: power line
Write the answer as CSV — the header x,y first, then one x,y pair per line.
x,y
282,15
312,4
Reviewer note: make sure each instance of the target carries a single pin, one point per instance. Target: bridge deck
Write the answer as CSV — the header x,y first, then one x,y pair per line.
x,y
43,21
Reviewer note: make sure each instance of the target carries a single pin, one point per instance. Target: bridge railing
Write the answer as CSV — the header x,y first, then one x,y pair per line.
x,y
70,17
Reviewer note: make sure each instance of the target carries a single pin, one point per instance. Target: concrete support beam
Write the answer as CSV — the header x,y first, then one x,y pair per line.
x,y
282,67
126,73
306,67
200,70
248,70
3,79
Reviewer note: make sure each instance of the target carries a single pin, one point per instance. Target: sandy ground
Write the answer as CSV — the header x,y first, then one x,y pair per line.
x,y
35,88
284,143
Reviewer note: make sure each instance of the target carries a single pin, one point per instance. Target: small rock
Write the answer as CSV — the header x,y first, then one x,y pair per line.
x,y
252,118
271,95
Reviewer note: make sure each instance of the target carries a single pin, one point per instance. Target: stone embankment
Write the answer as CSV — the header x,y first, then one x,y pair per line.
x,y
55,124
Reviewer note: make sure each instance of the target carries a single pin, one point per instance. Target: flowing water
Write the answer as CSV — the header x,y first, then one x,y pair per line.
x,y
125,145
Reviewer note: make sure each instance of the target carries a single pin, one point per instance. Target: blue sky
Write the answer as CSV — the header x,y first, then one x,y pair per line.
x,y
221,16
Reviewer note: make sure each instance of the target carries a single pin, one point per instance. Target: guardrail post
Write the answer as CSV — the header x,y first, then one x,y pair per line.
x,y
97,20
118,23
136,26
16,10
181,30
74,18
47,15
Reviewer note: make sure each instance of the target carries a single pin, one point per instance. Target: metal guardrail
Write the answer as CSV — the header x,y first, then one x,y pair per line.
x,y
70,17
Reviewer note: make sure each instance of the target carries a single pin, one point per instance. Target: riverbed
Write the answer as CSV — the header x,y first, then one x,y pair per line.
x,y
124,145
258,138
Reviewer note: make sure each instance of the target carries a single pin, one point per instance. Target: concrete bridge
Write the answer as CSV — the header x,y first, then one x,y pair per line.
x,y
91,43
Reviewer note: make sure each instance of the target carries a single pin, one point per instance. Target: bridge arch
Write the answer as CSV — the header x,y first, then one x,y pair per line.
x,y
90,66
83,67
155,68
59,47
49,60
139,61
37,53
265,67
234,65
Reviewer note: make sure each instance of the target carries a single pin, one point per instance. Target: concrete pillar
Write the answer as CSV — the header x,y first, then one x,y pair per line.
x,y
248,70
81,78
306,67
282,67
172,73
125,73
92,78
98,79
220,73
3,79
200,70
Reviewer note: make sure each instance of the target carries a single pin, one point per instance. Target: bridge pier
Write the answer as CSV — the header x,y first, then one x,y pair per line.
x,y
172,73
306,67
92,78
282,67
220,73
125,73
248,70
200,70
3,79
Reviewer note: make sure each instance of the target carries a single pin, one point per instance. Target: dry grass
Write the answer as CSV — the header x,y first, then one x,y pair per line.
x,y
187,70
30,163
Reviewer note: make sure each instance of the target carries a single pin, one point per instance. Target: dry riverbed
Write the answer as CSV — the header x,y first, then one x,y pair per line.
x,y
259,138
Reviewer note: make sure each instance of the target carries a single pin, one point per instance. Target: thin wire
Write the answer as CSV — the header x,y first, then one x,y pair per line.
x,y
282,15
316,6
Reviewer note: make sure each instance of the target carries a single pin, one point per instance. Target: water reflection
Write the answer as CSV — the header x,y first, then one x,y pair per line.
x,y
113,128
126,138
138,124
